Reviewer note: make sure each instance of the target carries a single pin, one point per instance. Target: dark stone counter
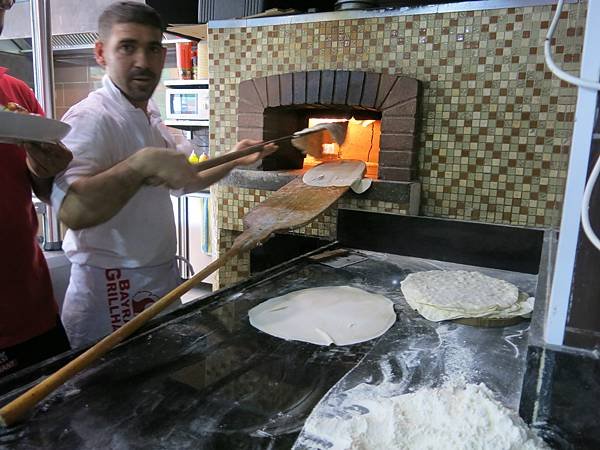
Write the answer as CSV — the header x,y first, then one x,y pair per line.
x,y
201,377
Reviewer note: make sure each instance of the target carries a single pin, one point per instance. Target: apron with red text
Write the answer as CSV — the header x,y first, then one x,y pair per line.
x,y
99,301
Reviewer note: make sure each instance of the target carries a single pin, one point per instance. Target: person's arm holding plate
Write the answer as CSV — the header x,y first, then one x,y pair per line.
x,y
44,162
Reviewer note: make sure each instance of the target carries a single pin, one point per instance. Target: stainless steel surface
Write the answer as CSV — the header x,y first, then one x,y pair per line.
x,y
75,25
70,16
43,73
382,12
42,55
183,241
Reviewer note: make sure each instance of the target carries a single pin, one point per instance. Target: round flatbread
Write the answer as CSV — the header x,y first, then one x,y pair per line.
x,y
339,173
339,315
444,295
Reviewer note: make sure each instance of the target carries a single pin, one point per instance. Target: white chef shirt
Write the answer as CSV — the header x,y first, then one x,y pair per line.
x,y
106,129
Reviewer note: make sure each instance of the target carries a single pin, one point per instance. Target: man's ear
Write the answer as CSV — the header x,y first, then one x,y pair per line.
x,y
99,53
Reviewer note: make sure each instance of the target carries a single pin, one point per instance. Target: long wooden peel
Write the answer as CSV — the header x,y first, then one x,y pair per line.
x,y
309,140
292,206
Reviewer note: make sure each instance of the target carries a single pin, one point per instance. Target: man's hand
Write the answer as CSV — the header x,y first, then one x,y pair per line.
x,y
163,166
250,159
46,160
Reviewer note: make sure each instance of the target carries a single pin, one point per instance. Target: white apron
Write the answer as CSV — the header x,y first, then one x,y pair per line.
x,y
99,301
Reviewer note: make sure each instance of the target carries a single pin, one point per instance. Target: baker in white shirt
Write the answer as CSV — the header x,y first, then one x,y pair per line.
x,y
114,196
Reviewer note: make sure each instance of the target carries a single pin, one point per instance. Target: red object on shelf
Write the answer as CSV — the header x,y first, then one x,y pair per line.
x,y
184,60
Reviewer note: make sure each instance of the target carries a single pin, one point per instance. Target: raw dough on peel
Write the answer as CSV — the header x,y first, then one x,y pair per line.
x,y
340,173
361,186
443,295
340,315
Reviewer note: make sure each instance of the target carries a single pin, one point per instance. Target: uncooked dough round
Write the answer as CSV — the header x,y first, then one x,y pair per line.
x,y
340,315
342,172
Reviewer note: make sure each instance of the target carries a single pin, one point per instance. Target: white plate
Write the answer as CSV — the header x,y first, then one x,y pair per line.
x,y
18,128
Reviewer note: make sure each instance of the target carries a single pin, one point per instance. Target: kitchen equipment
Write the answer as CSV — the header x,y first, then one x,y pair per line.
x,y
187,100
354,4
292,206
308,140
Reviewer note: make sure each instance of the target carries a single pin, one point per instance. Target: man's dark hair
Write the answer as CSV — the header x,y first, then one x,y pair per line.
x,y
128,12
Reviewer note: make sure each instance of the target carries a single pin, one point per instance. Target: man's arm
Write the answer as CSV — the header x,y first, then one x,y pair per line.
x,y
210,176
95,199
44,162
92,200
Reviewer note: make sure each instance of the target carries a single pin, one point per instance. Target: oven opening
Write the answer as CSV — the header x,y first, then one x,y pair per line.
x,y
362,139
362,142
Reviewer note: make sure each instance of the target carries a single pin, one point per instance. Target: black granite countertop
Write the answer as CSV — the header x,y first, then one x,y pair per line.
x,y
203,378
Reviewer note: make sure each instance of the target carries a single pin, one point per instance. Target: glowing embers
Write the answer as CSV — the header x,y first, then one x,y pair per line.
x,y
362,142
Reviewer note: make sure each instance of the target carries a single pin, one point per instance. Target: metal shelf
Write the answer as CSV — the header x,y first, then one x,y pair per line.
x,y
186,123
185,82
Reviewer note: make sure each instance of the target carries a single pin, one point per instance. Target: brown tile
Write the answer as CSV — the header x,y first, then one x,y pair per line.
x,y
385,85
396,173
286,88
396,142
313,85
326,91
250,120
75,92
370,89
250,133
408,108
71,74
299,87
355,87
273,91
340,87
248,98
397,158
398,125
59,112
261,87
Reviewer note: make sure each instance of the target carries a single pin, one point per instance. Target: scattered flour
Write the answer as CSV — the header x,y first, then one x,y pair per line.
x,y
454,416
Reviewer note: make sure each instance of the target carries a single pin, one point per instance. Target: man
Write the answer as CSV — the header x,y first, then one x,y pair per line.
x,y
114,195
30,328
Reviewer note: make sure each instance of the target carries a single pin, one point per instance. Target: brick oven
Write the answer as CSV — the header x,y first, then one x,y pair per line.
x,y
381,110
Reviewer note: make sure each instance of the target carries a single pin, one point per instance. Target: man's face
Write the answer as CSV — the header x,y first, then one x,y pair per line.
x,y
133,57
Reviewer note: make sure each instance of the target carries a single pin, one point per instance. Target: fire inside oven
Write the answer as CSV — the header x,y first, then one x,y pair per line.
x,y
362,139
362,142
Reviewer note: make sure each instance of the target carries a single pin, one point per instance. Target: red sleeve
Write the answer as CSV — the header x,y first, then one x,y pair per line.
x,y
31,102
14,90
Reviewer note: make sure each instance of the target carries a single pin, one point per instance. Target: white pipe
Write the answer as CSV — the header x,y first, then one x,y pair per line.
x,y
558,305
588,84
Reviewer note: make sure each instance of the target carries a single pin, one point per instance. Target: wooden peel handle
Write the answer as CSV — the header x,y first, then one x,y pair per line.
x,y
16,410
236,154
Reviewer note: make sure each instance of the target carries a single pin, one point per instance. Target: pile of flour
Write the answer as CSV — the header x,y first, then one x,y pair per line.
x,y
453,416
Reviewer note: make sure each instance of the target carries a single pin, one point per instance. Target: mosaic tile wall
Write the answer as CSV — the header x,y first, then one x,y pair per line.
x,y
495,123
236,202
